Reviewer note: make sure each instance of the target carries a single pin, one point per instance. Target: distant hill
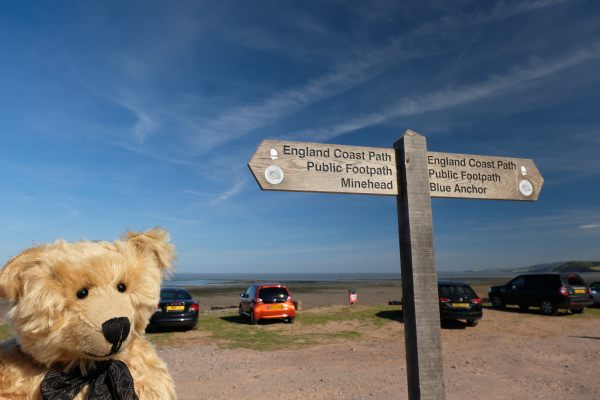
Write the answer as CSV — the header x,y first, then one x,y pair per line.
x,y
560,266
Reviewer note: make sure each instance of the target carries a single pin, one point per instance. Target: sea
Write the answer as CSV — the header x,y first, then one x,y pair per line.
x,y
196,279
206,279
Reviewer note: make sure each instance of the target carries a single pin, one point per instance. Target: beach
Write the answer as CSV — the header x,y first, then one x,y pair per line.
x,y
309,293
509,355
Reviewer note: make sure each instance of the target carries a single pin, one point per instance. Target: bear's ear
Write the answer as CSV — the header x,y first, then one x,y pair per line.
x,y
11,281
156,242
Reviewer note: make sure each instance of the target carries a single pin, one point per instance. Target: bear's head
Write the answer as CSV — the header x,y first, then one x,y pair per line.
x,y
75,303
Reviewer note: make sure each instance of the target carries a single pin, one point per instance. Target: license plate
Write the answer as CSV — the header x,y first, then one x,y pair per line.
x,y
175,308
579,291
460,305
275,307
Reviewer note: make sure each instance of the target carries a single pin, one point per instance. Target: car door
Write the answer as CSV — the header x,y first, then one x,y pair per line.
x,y
246,299
515,290
533,291
595,287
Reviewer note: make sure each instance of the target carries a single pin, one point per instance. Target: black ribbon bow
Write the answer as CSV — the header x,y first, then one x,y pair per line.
x,y
111,380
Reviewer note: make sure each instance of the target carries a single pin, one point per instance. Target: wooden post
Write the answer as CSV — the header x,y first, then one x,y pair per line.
x,y
420,307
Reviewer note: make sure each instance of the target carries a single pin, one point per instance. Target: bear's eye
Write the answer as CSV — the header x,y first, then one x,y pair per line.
x,y
121,287
82,293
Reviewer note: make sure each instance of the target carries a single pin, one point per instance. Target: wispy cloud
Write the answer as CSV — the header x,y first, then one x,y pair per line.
x,y
563,219
145,124
500,11
589,226
452,97
269,252
62,175
71,211
141,150
240,121
235,189
194,192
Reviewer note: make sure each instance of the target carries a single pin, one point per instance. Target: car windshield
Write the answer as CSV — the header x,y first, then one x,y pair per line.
x,y
174,294
455,290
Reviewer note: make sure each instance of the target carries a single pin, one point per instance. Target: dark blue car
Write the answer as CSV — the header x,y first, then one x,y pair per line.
x,y
176,309
459,301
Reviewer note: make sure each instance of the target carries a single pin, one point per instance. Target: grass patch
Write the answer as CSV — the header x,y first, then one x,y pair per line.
x,y
311,327
590,312
5,332
229,330
161,339
363,315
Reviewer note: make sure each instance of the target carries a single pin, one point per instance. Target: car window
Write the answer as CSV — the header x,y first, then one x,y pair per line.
x,y
174,294
454,290
549,282
573,280
269,293
518,282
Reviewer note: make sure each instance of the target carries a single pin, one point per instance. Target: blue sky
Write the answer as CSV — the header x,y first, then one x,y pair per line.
x,y
126,115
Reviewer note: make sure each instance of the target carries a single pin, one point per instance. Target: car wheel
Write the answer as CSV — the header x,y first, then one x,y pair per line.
x,y
253,320
577,310
523,307
497,302
472,322
289,320
240,313
548,308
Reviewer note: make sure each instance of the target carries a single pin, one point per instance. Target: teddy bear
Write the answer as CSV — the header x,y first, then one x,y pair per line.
x,y
79,312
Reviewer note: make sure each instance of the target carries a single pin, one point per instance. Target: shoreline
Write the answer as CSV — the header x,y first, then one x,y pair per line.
x,y
318,293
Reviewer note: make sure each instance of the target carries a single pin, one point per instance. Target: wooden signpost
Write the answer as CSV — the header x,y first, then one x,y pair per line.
x,y
482,177
413,175
314,167
330,168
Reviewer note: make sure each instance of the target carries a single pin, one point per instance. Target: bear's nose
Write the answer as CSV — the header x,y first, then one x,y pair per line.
x,y
116,330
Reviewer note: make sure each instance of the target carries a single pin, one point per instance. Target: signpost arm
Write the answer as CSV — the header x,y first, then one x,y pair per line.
x,y
419,279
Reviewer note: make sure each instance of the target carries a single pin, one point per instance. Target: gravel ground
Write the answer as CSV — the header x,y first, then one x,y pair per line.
x,y
509,355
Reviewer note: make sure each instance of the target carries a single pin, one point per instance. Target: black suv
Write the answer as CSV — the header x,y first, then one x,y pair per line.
x,y
551,292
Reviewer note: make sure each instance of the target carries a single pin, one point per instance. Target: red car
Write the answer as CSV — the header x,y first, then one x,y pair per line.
x,y
267,301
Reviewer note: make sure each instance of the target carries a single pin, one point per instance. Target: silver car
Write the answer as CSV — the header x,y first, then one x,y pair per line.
x,y
595,288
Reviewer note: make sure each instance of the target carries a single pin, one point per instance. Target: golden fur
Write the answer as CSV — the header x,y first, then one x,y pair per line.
x,y
57,330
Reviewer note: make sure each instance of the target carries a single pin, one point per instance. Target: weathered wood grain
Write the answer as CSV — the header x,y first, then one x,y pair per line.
x,y
419,278
347,168
483,177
